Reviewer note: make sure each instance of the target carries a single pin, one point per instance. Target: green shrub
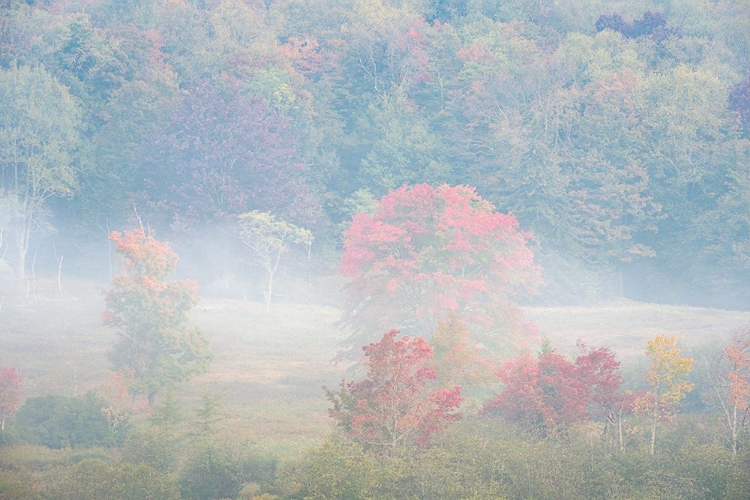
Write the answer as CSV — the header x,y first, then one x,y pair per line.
x,y
94,479
221,470
64,422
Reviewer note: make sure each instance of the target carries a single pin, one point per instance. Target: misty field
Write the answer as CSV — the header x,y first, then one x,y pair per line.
x,y
270,366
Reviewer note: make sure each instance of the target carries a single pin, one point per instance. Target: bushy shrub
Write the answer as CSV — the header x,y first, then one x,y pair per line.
x,y
221,470
62,422
95,479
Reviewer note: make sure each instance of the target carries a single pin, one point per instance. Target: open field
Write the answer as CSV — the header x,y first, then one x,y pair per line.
x,y
271,366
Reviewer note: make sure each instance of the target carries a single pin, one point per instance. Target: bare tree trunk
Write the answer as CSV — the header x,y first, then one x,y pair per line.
x,y
269,289
619,428
734,432
59,268
21,258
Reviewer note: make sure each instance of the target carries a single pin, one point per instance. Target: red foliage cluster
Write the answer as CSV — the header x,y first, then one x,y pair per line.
x,y
431,251
738,370
396,406
550,393
10,392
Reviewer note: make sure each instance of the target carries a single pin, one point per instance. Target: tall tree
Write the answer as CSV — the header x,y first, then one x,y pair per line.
x,y
667,383
149,313
39,136
731,378
428,252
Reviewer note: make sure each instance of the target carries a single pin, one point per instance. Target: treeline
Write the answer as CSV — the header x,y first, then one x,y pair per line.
x,y
616,133
558,428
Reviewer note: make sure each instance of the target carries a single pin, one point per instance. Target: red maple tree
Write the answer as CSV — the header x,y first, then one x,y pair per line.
x,y
397,405
428,252
549,394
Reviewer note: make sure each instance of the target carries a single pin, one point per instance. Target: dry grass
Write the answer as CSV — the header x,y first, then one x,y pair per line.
x,y
270,366
625,326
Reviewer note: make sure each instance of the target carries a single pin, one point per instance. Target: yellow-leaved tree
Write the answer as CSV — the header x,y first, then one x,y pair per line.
x,y
667,381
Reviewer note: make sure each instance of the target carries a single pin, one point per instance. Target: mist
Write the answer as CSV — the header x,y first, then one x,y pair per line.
x,y
214,216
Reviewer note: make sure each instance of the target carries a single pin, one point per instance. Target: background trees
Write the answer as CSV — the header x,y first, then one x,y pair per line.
x,y
149,314
38,138
224,152
611,141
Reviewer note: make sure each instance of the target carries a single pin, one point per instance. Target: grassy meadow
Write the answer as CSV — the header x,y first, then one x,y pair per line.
x,y
270,365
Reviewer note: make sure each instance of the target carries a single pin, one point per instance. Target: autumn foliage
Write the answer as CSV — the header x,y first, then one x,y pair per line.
x,y
738,355
149,313
397,406
731,380
10,393
548,394
667,382
428,252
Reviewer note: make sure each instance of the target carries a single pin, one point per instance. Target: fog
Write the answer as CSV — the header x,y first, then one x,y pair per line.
x,y
214,214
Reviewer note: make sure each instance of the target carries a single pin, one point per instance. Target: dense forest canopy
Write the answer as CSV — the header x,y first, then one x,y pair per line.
x,y
617,133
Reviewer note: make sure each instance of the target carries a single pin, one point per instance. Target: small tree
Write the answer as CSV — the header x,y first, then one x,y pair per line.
x,y
456,358
269,239
150,315
10,393
121,403
396,406
667,383
731,380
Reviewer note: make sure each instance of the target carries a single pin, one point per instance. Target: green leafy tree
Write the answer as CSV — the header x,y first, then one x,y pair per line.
x,y
39,135
149,313
268,239
404,150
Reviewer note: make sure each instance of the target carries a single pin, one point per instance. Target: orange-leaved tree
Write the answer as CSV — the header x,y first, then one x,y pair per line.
x,y
397,406
149,312
667,382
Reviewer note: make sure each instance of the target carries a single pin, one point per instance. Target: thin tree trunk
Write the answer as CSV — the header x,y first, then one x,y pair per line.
x,y
619,428
734,432
269,290
21,258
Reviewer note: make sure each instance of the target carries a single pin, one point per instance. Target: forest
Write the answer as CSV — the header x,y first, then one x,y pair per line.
x,y
374,249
